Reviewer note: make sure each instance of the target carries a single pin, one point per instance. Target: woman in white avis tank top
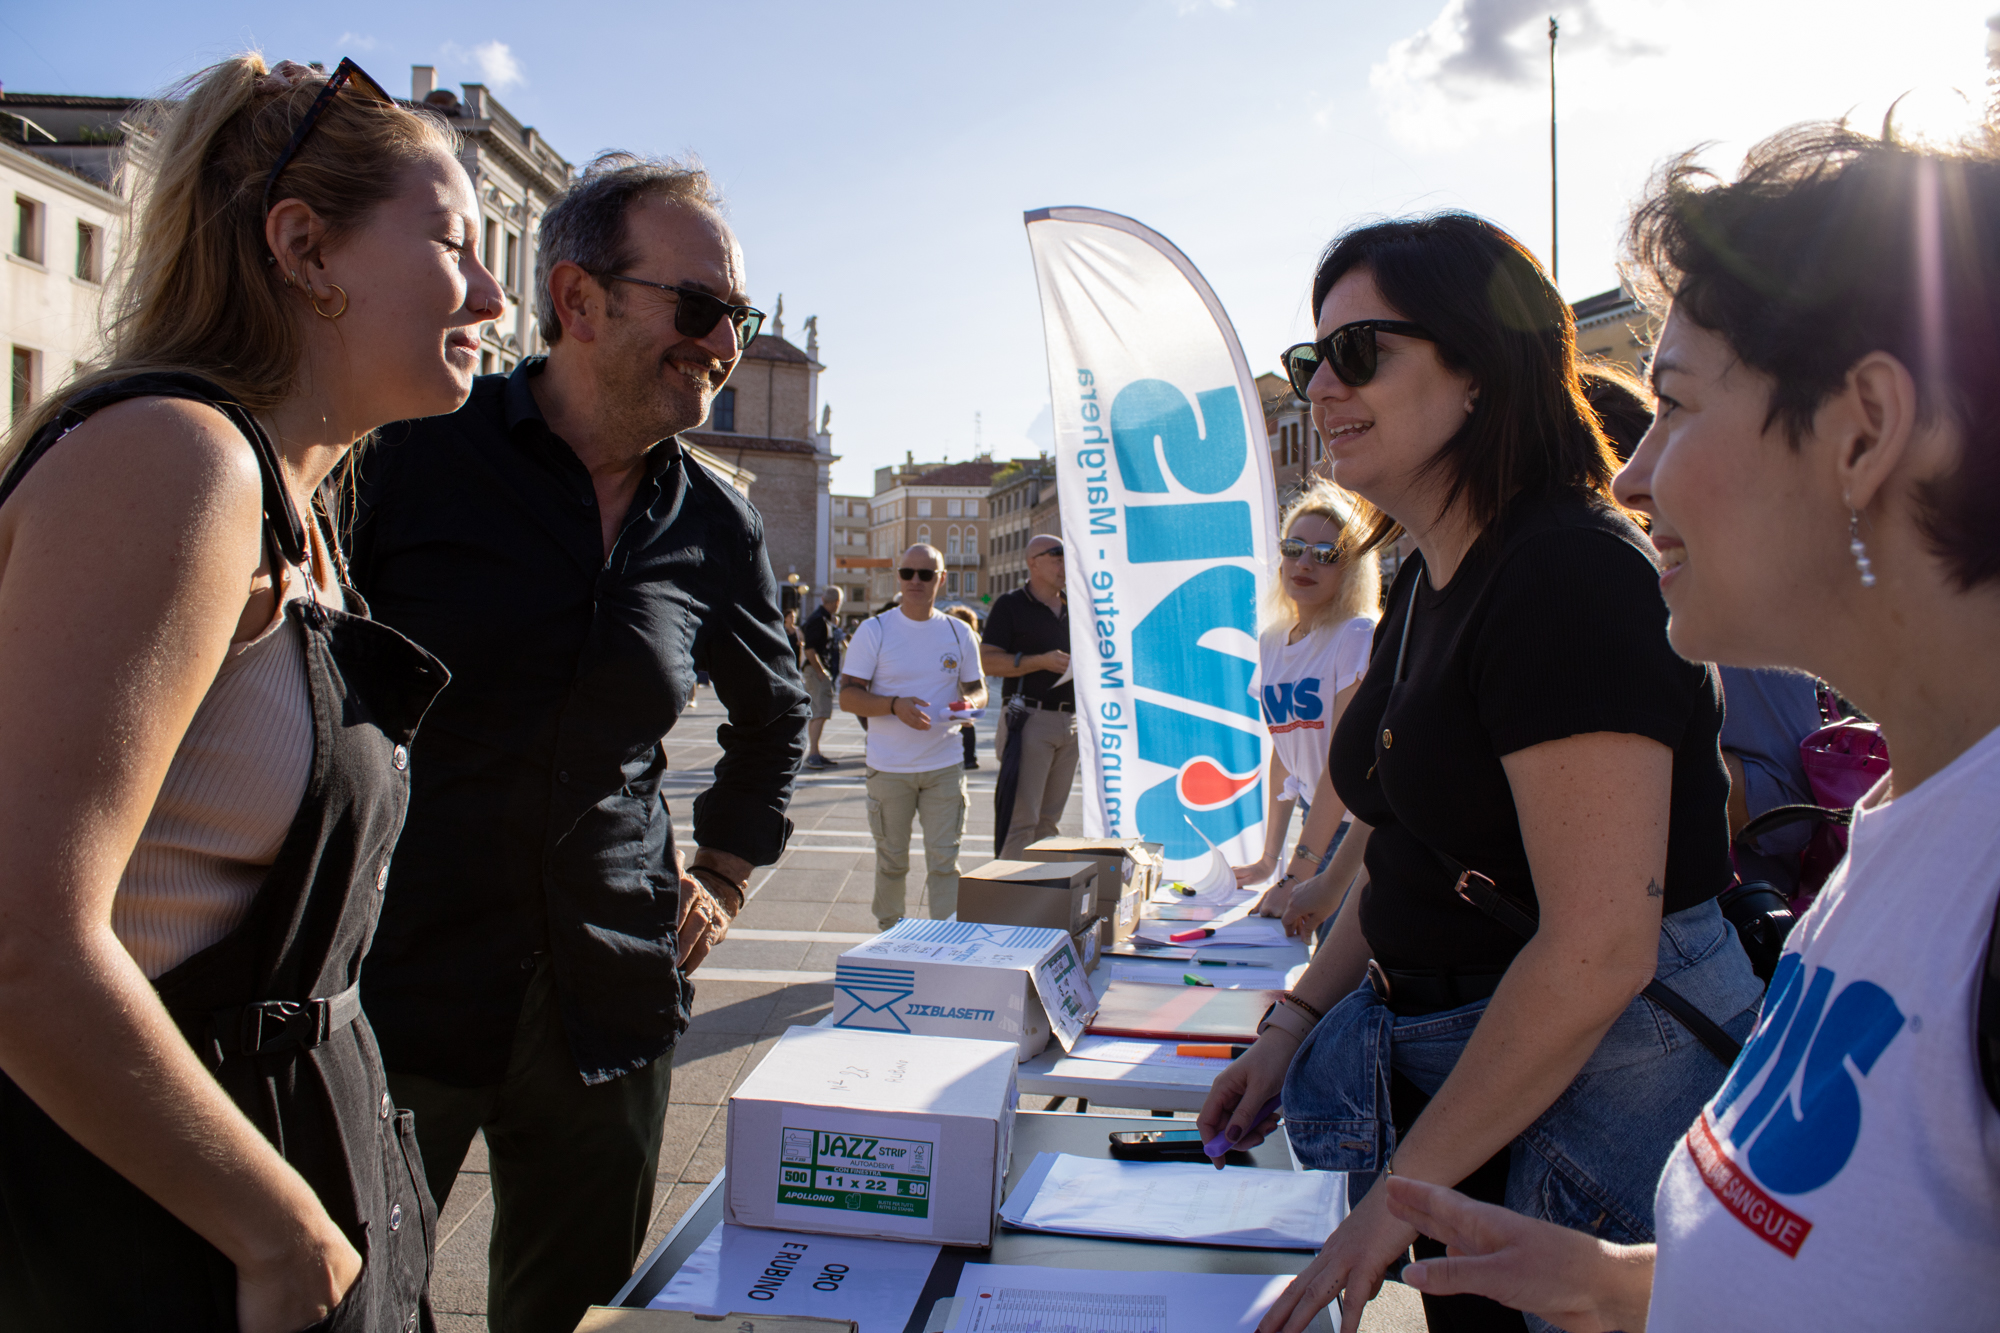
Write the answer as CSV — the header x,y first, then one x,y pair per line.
x,y
1310,656
1824,481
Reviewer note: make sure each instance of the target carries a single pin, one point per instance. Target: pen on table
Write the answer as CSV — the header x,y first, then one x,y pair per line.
x,y
1190,979
1219,1146
1198,933
1212,1052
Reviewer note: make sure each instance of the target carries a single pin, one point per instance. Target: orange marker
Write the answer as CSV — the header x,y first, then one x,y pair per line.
x,y
1212,1052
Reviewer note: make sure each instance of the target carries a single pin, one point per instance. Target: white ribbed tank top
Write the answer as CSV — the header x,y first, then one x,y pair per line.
x,y
230,796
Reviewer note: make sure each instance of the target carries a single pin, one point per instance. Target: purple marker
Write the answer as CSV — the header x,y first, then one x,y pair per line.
x,y
1220,1144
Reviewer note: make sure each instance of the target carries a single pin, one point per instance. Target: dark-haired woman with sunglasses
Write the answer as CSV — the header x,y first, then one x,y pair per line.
x,y
1540,773
204,754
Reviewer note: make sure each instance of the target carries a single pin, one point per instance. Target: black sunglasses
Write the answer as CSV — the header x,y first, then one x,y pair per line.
x,y
697,313
1055,551
1324,553
1349,349
920,575
344,73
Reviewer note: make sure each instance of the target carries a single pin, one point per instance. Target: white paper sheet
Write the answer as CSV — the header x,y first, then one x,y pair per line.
x,y
1133,1051
1233,977
873,1282
1017,1298
1187,1203
1266,932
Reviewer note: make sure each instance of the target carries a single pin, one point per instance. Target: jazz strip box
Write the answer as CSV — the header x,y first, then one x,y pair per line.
x,y
898,1137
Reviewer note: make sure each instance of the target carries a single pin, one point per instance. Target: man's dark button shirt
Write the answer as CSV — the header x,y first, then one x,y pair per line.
x,y
537,821
1021,623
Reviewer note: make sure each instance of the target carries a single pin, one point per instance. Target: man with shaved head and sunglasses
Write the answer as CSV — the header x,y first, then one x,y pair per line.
x,y
555,546
906,669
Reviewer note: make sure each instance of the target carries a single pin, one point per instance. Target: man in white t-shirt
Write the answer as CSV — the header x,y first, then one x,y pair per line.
x,y
906,668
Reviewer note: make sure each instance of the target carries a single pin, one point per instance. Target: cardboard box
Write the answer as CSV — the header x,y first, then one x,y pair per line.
x,y
1061,895
613,1319
1090,944
1128,870
966,979
892,1136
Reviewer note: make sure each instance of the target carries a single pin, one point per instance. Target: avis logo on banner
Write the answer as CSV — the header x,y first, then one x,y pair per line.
x,y
1170,527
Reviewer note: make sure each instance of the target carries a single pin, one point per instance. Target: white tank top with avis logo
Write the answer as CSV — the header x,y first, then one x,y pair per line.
x,y
1847,1175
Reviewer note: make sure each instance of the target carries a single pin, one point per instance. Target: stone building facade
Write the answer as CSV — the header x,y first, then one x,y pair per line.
x,y
64,228
1018,490
944,504
516,176
850,546
764,420
1613,326
1297,452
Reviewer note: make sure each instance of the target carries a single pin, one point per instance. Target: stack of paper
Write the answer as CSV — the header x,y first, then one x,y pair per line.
x,y
875,1283
1017,1298
1232,927
1185,1203
1184,1013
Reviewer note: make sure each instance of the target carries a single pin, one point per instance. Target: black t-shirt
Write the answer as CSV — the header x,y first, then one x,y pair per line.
x,y
1020,623
824,636
1552,626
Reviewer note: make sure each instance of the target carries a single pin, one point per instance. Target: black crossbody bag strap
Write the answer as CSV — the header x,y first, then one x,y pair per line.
x,y
1483,894
1987,1016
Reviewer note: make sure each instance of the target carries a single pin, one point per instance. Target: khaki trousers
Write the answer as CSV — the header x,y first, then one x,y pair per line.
x,y
1048,766
894,800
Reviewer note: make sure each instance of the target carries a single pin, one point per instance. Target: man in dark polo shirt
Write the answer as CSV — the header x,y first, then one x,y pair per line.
x,y
1027,645
553,544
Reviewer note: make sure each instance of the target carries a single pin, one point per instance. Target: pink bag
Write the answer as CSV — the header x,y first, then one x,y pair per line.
x,y
1842,762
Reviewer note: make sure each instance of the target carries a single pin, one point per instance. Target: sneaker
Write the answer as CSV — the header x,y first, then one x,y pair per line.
x,y
817,761
973,764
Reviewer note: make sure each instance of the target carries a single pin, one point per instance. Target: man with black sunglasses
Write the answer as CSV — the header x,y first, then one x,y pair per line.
x,y
1027,646
553,544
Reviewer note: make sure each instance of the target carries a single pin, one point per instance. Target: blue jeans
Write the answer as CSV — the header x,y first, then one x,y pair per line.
x,y
1589,1162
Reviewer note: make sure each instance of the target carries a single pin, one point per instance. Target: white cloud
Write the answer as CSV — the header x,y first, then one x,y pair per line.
x,y
1482,65
498,68
355,41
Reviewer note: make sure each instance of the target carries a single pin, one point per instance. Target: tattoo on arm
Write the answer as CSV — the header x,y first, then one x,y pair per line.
x,y
1653,889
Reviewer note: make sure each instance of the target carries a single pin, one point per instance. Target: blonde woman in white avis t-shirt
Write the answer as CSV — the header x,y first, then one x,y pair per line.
x,y
1309,659
1823,500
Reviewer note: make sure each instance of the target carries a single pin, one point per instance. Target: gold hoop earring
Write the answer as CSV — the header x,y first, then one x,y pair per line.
x,y
313,297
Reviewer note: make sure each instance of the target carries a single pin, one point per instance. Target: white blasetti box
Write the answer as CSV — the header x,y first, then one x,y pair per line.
x,y
899,1137
966,979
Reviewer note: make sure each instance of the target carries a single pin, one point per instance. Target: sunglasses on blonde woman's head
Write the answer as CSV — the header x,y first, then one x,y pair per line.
x,y
1350,350
920,575
1324,553
344,73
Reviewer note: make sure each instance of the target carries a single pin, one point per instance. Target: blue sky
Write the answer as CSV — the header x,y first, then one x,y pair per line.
x,y
877,158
